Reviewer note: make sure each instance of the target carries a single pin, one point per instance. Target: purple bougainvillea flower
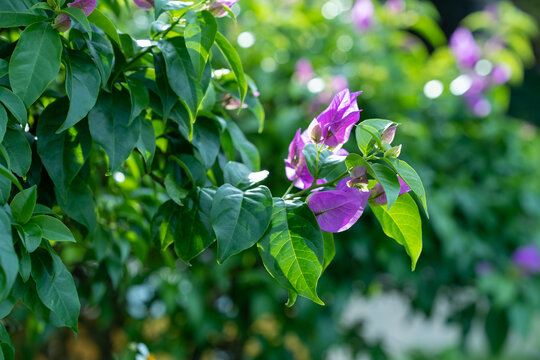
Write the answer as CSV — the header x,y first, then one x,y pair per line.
x,y
217,7
362,14
87,6
500,74
380,196
464,47
295,164
144,4
337,210
62,23
527,258
338,119
303,71
395,6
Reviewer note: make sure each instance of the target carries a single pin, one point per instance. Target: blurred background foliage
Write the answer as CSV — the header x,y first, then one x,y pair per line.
x,y
467,299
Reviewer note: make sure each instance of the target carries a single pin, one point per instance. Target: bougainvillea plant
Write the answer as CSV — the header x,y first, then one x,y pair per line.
x,y
81,103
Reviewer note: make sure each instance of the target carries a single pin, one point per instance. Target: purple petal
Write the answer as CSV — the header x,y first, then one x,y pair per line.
x,y
62,23
527,258
87,6
339,118
144,4
304,71
362,14
500,74
464,47
337,210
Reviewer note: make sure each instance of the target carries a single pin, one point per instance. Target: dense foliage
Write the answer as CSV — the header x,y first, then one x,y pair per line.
x,y
120,153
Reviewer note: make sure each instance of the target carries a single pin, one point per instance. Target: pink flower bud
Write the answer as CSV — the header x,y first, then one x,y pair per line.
x,y
62,23
393,152
144,4
358,171
316,134
388,135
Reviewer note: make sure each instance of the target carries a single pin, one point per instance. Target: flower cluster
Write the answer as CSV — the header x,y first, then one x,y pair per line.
x,y
478,73
338,209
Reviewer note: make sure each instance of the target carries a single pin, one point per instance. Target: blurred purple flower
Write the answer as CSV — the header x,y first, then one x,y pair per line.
x,y
303,71
527,258
362,14
337,210
479,105
395,6
478,85
339,83
500,74
217,7
464,47
87,6
144,4
380,196
338,119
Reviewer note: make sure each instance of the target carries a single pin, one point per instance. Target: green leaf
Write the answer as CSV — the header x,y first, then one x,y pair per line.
x,y
78,203
109,126
174,190
52,228
239,218
35,61
14,19
14,104
411,178
164,224
328,162
101,21
167,96
20,154
9,262
64,154
403,224
363,140
3,122
82,87
193,168
9,175
329,248
139,97
293,248
102,53
207,140
78,15
240,176
160,6
146,144
32,236
389,181
182,77
56,288
379,124
200,33
235,63
4,67
7,351
196,233
25,265
248,152
22,205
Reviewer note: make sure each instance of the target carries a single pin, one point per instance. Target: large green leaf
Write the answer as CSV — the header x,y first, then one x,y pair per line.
x,y
207,140
200,32
403,224
14,104
22,205
64,154
9,262
248,152
109,126
139,96
167,96
35,61
56,288
239,218
329,248
82,87
411,178
32,235
240,176
7,351
181,74
293,247
52,228
18,148
102,53
146,144
389,181
235,63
